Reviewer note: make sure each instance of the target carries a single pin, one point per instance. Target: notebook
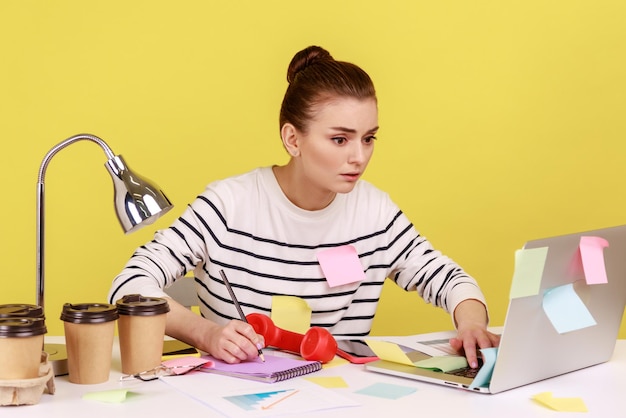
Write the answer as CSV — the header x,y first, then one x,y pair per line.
x,y
274,369
565,309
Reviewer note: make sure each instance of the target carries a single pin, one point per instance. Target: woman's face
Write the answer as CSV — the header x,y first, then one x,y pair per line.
x,y
338,144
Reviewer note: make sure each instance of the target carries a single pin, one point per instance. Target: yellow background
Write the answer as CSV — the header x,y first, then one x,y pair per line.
x,y
501,121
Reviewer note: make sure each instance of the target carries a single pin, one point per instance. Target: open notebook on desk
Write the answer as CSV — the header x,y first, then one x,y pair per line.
x,y
273,369
566,305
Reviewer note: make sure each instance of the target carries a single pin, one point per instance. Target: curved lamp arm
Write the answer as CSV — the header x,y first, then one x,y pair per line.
x,y
138,202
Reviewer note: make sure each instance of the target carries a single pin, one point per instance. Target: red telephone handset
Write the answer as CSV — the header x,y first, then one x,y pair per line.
x,y
317,344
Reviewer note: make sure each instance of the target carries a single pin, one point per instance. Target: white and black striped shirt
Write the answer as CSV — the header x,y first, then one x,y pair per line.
x,y
268,246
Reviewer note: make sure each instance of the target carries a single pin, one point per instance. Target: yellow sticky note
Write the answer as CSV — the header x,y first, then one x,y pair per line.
x,y
336,361
109,396
389,351
561,404
291,313
328,382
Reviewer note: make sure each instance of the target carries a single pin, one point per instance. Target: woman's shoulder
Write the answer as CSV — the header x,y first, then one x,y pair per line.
x,y
367,195
364,190
239,182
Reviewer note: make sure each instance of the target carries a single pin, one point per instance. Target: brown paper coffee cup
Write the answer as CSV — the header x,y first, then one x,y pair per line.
x,y
21,344
89,333
20,310
141,329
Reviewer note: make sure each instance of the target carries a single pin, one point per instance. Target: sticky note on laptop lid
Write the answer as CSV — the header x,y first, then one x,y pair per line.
x,y
592,254
565,310
529,264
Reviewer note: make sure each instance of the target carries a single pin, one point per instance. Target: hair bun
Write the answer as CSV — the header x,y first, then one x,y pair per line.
x,y
305,58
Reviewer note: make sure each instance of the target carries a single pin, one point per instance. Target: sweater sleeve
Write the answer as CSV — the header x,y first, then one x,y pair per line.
x,y
171,254
436,278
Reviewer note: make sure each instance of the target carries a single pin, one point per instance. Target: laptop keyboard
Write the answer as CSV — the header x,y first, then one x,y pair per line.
x,y
467,371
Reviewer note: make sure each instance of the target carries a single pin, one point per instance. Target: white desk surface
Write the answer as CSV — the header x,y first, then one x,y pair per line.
x,y
602,388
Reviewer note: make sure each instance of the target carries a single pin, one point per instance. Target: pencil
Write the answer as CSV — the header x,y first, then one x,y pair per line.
x,y
236,302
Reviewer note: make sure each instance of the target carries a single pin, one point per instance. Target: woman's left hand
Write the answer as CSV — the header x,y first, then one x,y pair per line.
x,y
471,320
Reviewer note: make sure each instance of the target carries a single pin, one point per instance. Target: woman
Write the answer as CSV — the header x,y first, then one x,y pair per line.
x,y
267,227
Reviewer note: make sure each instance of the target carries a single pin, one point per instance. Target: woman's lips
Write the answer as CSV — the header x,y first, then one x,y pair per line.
x,y
351,176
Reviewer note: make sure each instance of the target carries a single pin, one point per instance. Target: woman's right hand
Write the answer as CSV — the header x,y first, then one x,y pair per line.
x,y
234,342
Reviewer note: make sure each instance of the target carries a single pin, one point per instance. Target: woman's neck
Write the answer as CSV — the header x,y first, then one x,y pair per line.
x,y
300,192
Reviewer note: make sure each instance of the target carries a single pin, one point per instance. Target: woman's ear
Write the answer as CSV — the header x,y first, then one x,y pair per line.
x,y
289,135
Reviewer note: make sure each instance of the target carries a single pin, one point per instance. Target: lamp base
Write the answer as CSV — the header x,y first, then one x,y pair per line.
x,y
57,356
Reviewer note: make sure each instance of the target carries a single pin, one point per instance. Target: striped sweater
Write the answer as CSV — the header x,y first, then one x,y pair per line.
x,y
268,246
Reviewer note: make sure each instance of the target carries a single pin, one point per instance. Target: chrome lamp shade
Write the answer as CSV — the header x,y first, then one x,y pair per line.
x,y
137,201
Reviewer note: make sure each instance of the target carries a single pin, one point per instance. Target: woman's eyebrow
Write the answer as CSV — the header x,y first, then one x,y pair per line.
x,y
351,130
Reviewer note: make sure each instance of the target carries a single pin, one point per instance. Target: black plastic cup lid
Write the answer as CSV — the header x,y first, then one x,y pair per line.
x,y
22,327
20,310
142,305
89,313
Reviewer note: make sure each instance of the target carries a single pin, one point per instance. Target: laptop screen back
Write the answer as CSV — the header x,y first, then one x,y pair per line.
x,y
548,333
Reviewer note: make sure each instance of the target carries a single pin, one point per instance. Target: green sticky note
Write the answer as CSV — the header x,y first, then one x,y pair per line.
x,y
442,363
386,390
529,265
109,396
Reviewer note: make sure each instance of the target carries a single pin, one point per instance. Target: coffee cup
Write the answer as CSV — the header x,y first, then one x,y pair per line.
x,y
21,344
89,334
141,329
20,310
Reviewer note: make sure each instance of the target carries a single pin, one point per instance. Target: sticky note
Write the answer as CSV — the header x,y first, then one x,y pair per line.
x,y
483,377
592,254
108,396
341,265
328,382
389,352
561,404
442,363
291,313
566,310
387,391
182,365
336,361
529,264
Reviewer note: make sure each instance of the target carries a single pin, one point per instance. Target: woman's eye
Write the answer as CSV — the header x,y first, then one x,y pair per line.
x,y
369,139
339,140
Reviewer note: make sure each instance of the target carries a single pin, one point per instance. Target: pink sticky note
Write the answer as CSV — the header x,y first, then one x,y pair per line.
x,y
592,254
181,365
341,265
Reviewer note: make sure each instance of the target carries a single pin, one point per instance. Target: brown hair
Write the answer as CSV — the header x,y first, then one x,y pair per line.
x,y
314,76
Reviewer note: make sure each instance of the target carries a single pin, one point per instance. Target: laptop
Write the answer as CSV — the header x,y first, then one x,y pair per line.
x,y
534,345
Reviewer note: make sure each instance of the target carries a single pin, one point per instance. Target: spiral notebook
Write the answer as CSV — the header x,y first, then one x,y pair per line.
x,y
274,369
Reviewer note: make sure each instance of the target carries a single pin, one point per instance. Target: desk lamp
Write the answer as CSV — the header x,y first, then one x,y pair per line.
x,y
137,203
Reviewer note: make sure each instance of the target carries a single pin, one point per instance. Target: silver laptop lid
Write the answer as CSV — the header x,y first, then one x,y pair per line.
x,y
532,348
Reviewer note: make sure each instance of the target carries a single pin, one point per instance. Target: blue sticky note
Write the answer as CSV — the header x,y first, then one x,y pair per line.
x,y
386,390
483,377
566,310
